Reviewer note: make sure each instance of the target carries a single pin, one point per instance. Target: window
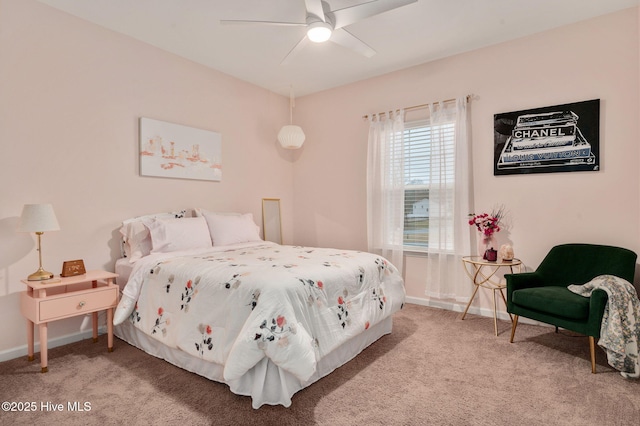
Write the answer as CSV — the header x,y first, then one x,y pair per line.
x,y
429,160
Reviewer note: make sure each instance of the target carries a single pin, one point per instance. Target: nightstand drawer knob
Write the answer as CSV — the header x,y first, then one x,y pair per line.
x,y
81,304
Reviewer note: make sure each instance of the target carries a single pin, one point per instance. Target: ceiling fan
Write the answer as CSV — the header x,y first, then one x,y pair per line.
x,y
324,24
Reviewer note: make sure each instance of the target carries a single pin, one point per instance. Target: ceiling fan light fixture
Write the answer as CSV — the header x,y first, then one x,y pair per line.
x,y
319,32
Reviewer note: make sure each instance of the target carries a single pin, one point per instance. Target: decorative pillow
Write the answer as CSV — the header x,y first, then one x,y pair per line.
x,y
137,242
177,235
136,237
229,229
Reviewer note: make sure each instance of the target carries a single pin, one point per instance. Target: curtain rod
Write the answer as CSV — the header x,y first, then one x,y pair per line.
x,y
468,97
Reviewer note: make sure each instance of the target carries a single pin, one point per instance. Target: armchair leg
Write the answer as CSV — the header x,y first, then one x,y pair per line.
x,y
513,327
592,349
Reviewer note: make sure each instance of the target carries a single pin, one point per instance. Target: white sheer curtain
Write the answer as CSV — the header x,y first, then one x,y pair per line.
x,y
385,186
449,201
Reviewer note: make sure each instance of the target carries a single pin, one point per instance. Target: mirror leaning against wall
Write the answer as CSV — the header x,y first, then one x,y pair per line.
x,y
271,222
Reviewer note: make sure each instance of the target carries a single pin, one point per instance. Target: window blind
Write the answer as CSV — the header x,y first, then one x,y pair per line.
x,y
429,161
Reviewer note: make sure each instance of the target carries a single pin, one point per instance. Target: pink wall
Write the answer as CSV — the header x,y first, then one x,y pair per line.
x,y
592,59
71,94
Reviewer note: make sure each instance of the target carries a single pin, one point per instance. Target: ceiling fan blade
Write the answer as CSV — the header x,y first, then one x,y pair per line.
x,y
346,39
314,7
298,47
245,22
353,14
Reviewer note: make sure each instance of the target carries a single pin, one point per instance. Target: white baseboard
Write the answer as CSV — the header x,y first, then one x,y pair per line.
x,y
474,310
434,303
19,351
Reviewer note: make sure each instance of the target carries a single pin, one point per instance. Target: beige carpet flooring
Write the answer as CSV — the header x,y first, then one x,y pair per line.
x,y
435,369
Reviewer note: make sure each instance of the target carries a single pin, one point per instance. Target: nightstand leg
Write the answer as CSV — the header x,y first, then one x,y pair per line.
x,y
110,330
30,336
44,354
94,319
94,322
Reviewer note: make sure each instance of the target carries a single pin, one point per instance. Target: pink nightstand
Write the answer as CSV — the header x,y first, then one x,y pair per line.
x,y
70,299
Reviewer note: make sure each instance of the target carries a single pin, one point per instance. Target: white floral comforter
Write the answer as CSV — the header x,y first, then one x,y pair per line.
x,y
234,307
620,327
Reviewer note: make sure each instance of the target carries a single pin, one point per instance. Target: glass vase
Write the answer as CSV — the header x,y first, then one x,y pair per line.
x,y
485,242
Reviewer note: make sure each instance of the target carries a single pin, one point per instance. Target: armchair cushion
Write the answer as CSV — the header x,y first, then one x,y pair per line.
x,y
553,300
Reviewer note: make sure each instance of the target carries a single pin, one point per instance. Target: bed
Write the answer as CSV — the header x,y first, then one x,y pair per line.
x,y
207,294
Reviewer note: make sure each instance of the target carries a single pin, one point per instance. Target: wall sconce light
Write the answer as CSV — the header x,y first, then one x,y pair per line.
x,y
38,218
291,136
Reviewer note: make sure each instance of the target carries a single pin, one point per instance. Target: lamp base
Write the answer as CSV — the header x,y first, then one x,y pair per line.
x,y
40,275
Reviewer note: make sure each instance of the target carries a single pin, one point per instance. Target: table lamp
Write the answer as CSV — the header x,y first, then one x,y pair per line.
x,y
38,218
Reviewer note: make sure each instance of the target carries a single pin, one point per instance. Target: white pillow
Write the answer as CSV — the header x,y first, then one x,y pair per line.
x,y
229,229
177,235
135,235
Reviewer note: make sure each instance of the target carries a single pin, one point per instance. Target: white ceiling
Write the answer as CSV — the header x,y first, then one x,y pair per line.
x,y
411,35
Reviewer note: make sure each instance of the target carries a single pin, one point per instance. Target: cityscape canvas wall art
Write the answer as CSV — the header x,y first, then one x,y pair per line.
x,y
559,138
176,151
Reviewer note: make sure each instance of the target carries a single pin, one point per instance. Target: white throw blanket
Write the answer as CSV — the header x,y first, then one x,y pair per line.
x,y
620,329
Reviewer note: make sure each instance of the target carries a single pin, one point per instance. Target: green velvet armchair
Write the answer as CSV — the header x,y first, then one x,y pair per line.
x,y
543,295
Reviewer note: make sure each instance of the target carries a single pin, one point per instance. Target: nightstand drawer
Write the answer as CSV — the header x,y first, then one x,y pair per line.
x,y
77,303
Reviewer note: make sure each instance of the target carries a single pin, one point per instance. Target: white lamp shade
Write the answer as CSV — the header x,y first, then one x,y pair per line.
x,y
38,218
291,137
319,32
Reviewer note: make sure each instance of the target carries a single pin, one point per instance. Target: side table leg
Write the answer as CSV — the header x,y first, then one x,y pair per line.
x,y
110,330
505,304
30,336
495,317
470,300
43,348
